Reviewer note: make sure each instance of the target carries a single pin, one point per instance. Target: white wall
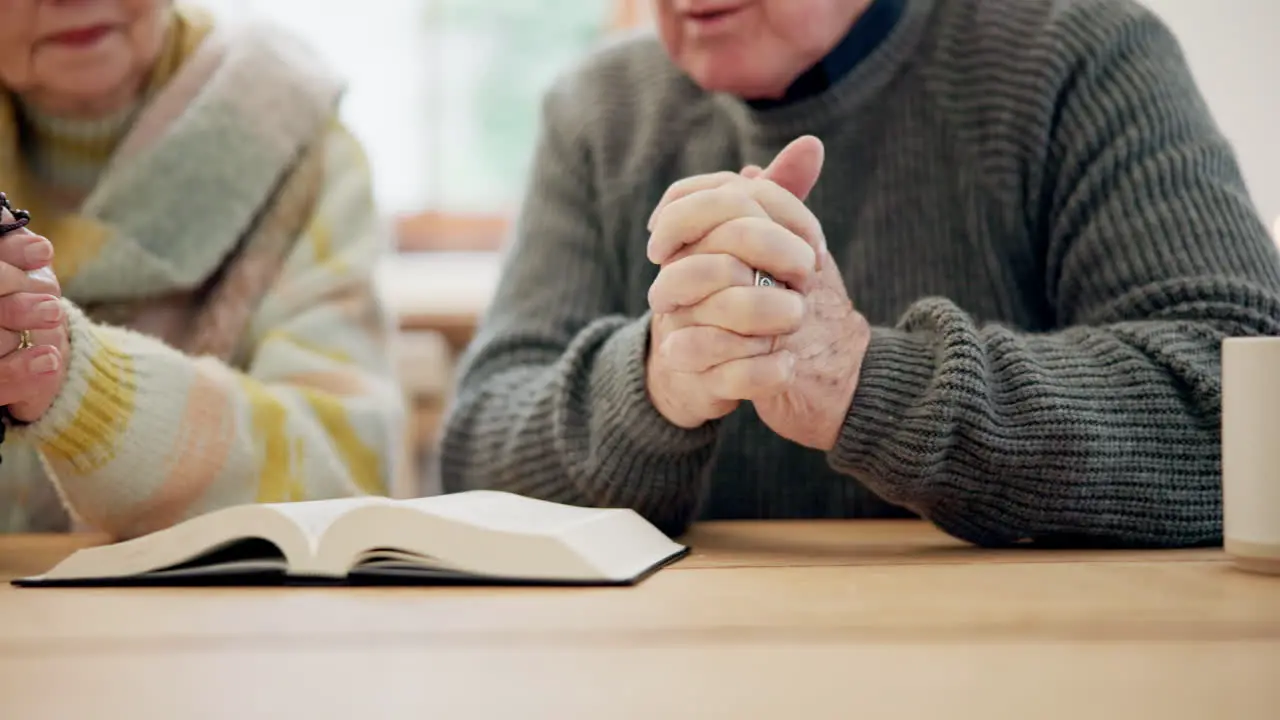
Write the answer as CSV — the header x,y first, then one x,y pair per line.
x,y
1233,47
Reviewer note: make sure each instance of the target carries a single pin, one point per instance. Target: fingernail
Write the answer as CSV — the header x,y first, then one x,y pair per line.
x,y
38,253
48,311
44,365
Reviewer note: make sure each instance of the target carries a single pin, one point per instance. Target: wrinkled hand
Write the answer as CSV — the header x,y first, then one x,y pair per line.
x,y
29,379
794,350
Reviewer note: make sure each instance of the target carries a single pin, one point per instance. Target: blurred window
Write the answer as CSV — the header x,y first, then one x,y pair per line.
x,y
444,95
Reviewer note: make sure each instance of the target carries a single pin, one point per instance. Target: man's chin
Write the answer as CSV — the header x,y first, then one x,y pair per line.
x,y
736,84
729,69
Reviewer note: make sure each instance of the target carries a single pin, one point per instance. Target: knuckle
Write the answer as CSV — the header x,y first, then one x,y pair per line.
x,y
779,310
673,190
814,233
725,238
726,270
793,309
675,279
685,251
698,349
657,291
43,281
701,269
763,243
10,374
675,349
806,258
12,311
735,199
732,380
771,371
791,259
790,256
683,188
723,309
762,345
754,377
764,307
760,371
743,230
661,326
726,345
696,181
721,178
11,279
711,346
679,282
672,283
739,346
11,249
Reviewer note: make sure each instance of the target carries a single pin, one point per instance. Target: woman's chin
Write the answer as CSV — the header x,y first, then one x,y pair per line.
x,y
90,91
81,75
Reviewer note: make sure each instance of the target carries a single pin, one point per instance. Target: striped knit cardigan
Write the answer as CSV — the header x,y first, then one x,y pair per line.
x,y
227,342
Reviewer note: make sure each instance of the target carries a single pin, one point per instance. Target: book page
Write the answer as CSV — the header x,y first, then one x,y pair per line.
x,y
315,516
482,533
505,512
191,543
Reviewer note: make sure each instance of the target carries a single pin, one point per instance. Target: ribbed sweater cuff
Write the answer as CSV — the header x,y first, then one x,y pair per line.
x,y
634,438
897,371
96,401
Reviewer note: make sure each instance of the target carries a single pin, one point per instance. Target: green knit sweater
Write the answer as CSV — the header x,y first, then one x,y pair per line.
x,y
1031,204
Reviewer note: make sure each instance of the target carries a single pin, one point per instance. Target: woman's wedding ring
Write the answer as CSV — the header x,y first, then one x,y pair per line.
x,y
764,279
24,340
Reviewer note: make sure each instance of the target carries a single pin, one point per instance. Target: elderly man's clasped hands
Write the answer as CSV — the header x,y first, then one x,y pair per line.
x,y
30,377
793,348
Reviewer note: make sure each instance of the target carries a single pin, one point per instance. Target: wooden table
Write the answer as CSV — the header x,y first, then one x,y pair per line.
x,y
784,619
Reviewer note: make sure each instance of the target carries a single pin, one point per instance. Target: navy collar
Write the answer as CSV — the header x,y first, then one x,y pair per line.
x,y
868,31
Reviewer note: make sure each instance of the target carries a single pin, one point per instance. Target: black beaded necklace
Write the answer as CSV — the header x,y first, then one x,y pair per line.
x,y
20,217
20,220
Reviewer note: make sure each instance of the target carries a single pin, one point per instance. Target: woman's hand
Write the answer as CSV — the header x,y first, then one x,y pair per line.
x,y
29,300
794,350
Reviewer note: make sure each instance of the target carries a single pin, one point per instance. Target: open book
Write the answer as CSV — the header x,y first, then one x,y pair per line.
x,y
481,536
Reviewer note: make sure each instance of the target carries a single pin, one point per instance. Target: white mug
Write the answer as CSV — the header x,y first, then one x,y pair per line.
x,y
1251,452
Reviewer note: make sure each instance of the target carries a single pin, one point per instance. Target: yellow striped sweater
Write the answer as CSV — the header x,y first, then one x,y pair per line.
x,y
203,373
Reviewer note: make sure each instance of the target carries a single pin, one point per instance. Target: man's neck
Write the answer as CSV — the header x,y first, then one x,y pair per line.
x,y
866,33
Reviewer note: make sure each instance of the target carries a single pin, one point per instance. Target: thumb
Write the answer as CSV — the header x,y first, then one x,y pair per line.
x,y
797,167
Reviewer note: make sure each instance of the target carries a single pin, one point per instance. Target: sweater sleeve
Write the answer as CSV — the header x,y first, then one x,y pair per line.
x,y
1107,430
142,436
552,400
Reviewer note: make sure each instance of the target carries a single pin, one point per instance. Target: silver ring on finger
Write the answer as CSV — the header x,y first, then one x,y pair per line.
x,y
764,279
